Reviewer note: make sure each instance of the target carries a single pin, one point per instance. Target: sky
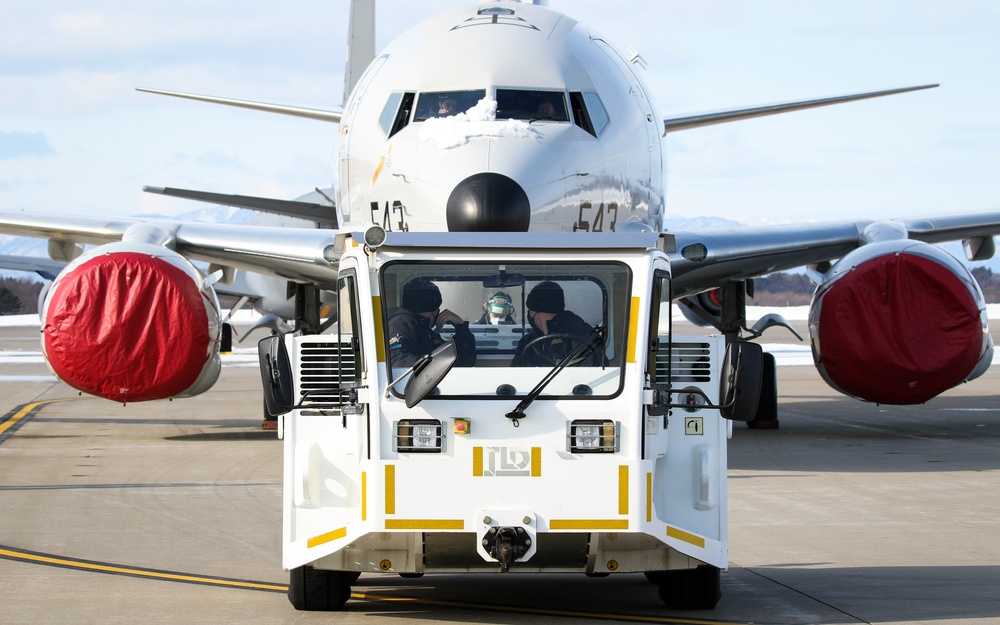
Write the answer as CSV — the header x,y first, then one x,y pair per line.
x,y
76,137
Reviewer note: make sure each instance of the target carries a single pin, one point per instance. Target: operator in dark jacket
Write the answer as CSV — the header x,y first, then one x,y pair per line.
x,y
547,315
412,325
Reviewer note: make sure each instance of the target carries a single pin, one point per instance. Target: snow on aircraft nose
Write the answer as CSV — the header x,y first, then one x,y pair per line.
x,y
486,184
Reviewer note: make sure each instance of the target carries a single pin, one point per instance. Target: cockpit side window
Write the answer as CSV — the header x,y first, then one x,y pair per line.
x,y
446,103
396,113
598,114
531,105
589,112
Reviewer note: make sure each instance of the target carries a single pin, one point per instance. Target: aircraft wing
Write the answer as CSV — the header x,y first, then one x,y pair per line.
x,y
297,254
686,122
702,259
707,259
294,111
229,294
325,215
44,267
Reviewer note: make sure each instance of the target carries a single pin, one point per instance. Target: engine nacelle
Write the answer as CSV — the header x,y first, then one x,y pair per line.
x,y
899,322
703,309
132,322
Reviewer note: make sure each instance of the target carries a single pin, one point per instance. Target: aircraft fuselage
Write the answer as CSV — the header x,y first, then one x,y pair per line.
x,y
558,135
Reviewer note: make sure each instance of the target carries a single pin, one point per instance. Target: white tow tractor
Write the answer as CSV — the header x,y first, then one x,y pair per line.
x,y
597,454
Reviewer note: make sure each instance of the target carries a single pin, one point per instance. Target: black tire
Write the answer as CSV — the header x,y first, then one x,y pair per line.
x,y
314,590
766,417
655,577
691,589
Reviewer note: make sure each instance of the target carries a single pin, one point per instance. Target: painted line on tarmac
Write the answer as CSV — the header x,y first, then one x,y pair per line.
x,y
34,557
17,417
10,422
138,485
46,559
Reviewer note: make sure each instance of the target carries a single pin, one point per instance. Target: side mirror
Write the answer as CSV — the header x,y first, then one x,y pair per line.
x,y
428,373
276,375
742,373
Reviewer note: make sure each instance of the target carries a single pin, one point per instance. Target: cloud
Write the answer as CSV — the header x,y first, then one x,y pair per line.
x,y
981,138
220,160
21,144
10,185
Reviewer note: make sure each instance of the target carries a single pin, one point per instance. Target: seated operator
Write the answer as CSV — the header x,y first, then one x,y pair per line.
x,y
548,317
499,310
412,326
447,107
546,109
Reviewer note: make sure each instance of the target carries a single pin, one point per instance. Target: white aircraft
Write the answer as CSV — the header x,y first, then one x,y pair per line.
x,y
502,116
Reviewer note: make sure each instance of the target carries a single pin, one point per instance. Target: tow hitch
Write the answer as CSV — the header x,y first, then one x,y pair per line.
x,y
507,537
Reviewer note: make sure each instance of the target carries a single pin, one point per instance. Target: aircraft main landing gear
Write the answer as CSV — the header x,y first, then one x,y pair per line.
x,y
766,417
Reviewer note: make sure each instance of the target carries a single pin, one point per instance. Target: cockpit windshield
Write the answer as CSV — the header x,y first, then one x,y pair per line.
x,y
447,103
519,104
530,105
511,324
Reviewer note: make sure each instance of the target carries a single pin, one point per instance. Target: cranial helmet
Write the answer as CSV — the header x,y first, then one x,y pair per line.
x,y
500,304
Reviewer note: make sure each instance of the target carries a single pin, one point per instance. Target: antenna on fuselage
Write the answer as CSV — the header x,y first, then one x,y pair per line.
x,y
360,43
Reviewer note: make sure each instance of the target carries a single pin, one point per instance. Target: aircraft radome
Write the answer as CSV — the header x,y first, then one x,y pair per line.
x,y
531,121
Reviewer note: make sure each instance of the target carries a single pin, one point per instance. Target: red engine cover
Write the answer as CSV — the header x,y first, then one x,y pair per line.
x,y
897,329
126,326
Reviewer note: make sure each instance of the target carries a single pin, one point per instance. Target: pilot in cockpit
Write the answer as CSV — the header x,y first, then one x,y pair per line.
x,y
546,109
446,106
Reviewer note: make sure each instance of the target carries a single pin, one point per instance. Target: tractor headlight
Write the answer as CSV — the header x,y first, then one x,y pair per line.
x,y
419,435
591,436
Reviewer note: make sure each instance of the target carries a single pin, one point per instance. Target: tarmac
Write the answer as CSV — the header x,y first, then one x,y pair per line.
x,y
170,512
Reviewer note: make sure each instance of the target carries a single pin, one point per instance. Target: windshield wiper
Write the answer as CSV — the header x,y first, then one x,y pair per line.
x,y
581,350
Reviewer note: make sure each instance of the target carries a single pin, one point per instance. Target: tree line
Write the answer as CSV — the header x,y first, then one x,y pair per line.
x,y
19,296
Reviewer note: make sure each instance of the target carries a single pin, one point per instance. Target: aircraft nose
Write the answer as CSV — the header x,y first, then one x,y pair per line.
x,y
488,202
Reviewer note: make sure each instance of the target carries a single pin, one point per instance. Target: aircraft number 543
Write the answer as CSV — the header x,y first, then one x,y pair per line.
x,y
387,215
588,212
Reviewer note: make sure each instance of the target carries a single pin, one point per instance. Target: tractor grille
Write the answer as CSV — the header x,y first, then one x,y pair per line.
x,y
692,362
324,365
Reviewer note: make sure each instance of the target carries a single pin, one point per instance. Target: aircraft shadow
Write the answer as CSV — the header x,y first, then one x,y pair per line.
x,y
872,594
843,435
228,435
792,593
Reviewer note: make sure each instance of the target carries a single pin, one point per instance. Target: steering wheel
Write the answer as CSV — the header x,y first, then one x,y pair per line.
x,y
541,348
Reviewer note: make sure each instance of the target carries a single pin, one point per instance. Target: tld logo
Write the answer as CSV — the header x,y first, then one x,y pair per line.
x,y
507,462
